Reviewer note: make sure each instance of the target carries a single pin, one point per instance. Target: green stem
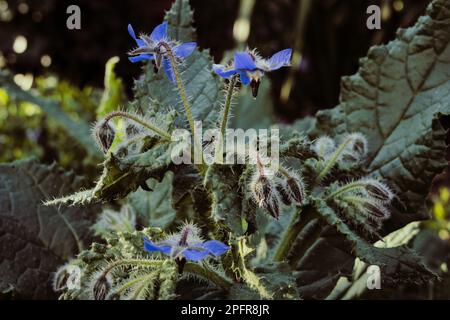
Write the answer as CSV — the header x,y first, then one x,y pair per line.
x,y
332,161
132,282
290,235
137,119
185,101
347,187
311,233
224,122
209,274
128,262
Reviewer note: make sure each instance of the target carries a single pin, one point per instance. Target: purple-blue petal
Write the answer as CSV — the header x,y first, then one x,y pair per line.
x,y
168,69
195,255
185,50
160,32
216,248
139,42
221,71
152,247
245,80
244,61
280,59
141,57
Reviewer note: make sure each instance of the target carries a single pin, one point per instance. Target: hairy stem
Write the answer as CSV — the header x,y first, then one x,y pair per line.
x,y
209,274
332,161
347,187
131,262
139,120
185,101
225,115
298,222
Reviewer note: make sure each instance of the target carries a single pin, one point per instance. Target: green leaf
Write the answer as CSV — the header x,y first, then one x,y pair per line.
x,y
226,207
77,129
180,18
396,99
113,95
397,263
155,207
35,239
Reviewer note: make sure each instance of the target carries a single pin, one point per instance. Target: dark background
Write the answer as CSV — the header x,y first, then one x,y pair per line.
x,y
334,38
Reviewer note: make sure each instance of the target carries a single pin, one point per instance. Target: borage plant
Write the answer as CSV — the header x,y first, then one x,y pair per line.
x,y
248,229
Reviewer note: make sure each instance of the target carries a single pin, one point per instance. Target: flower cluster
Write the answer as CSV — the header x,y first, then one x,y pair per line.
x,y
269,188
251,67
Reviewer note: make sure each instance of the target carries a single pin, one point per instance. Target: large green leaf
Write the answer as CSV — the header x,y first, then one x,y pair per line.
x,y
35,239
396,99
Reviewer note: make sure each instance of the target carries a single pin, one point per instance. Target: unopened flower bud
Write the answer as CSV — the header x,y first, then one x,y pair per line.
x,y
101,288
272,205
324,147
379,191
296,188
262,189
356,148
104,134
284,196
376,210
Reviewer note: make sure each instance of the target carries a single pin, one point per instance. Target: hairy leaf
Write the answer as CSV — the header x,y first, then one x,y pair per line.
x,y
35,239
396,100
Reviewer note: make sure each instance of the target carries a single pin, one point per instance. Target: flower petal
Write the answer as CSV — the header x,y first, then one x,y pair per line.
x,y
139,42
168,69
221,71
185,50
280,59
244,61
244,78
152,247
141,57
195,255
216,248
160,32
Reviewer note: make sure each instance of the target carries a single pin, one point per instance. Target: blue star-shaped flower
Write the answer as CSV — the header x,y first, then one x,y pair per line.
x,y
187,244
251,67
153,47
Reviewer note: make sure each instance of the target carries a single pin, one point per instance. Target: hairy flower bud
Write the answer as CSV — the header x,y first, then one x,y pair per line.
x,y
284,196
376,210
324,147
296,188
272,205
104,135
379,191
101,288
356,148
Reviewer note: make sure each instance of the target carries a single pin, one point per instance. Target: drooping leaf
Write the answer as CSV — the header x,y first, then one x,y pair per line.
x,y
35,239
77,129
155,207
113,94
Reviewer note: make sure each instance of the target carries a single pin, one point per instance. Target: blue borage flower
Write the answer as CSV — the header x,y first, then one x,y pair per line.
x,y
251,67
153,47
188,244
